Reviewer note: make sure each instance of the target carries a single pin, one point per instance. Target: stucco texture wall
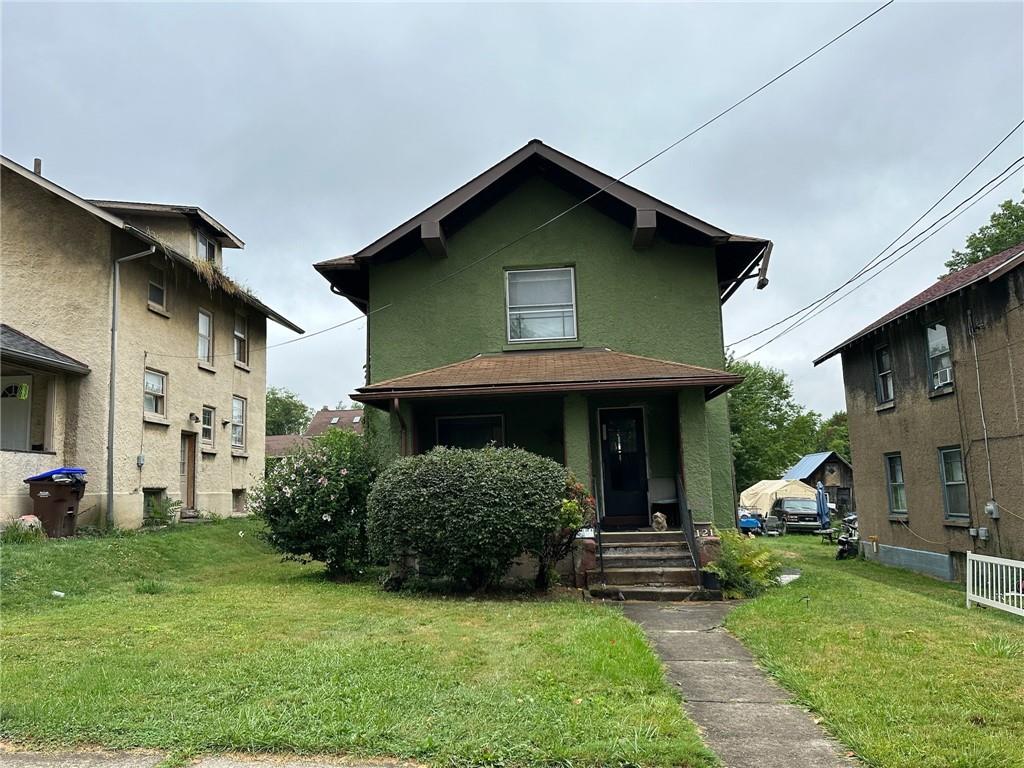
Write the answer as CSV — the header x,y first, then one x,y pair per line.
x,y
918,424
56,287
660,302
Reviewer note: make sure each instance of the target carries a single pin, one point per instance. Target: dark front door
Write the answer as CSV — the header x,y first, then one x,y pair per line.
x,y
624,468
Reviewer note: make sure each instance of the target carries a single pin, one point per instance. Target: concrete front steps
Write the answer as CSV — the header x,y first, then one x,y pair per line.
x,y
644,565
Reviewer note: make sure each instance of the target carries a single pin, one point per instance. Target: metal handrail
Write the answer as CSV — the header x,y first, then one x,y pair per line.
x,y
597,531
686,522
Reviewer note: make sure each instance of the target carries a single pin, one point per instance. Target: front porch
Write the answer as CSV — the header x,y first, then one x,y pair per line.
x,y
639,433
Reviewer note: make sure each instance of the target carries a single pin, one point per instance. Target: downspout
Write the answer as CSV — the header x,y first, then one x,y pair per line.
x,y
115,312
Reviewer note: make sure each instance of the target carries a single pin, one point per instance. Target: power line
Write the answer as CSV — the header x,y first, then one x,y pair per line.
x,y
871,264
661,152
594,194
980,194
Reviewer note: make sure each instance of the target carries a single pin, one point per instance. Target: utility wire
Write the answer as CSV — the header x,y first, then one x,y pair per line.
x,y
980,194
661,152
591,196
871,264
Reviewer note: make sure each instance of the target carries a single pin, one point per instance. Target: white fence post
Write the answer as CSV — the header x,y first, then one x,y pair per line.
x,y
996,582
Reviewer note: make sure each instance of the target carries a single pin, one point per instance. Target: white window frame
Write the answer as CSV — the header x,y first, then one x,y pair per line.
x,y
883,376
932,370
159,398
203,246
947,483
508,306
199,337
241,339
240,423
162,285
203,426
891,483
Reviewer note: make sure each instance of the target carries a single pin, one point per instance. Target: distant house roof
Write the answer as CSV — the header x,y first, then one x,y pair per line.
x,y
809,463
18,347
325,418
218,280
738,256
124,207
549,371
285,445
990,269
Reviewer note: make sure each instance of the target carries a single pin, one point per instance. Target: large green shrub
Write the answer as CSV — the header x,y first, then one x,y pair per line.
x,y
745,567
466,514
314,502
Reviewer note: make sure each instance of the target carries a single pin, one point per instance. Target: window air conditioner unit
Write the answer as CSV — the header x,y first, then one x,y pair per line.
x,y
942,377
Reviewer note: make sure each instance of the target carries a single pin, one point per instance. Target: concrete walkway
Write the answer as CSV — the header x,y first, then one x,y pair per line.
x,y
743,715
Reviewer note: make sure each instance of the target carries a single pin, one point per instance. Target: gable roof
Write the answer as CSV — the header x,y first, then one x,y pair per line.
x,y
809,463
343,418
18,347
738,255
223,282
990,269
123,207
557,370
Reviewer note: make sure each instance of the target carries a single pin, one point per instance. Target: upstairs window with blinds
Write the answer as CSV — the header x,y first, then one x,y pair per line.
x,y
541,304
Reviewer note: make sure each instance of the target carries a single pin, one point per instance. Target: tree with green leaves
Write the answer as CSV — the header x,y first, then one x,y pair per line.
x,y
1004,230
770,430
286,413
834,435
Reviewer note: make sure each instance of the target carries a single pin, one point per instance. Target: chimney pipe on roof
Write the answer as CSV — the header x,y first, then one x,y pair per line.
x,y
37,166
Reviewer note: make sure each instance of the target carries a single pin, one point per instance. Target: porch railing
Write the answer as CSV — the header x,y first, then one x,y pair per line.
x,y
997,582
597,530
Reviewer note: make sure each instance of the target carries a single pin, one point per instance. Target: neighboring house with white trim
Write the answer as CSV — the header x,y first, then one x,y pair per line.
x,y
189,383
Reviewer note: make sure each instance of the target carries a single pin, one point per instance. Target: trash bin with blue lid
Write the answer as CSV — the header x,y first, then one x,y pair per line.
x,y
56,494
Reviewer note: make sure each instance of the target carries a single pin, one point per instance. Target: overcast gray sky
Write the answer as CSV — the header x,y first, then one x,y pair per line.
x,y
310,130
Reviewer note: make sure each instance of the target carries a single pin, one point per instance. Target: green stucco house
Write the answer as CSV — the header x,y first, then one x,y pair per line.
x,y
595,340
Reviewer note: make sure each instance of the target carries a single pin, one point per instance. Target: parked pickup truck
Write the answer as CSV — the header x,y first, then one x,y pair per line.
x,y
796,514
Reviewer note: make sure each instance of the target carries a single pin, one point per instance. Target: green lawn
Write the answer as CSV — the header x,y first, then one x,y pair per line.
x,y
200,640
898,668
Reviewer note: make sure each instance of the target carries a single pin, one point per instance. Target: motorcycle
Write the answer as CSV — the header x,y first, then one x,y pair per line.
x,y
849,539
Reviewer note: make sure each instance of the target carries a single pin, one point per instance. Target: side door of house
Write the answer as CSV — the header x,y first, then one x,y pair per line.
x,y
623,468
187,470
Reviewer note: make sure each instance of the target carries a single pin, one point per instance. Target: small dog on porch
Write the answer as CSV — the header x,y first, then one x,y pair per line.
x,y
659,522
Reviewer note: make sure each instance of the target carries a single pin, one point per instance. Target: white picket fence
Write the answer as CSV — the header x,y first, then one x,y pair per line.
x,y
996,582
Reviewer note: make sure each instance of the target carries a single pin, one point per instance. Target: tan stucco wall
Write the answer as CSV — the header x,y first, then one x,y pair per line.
x,y
919,425
55,285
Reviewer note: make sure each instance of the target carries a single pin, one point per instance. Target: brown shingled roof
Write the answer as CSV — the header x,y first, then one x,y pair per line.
x,y
325,418
285,445
548,371
992,268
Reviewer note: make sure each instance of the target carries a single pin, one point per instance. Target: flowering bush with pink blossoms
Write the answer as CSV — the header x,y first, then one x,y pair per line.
x,y
314,502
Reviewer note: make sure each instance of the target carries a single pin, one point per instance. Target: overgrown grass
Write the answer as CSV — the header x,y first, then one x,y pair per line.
x,y
899,669
200,640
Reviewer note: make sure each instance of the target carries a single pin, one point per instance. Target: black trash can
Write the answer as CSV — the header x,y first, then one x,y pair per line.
x,y
55,497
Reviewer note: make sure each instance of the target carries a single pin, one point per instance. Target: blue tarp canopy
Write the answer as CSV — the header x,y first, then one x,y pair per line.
x,y
74,473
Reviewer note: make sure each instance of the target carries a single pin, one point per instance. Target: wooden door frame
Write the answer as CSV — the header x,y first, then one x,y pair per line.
x,y
188,500
647,453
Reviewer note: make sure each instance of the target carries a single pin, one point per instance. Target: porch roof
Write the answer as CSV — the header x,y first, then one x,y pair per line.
x,y
18,347
557,370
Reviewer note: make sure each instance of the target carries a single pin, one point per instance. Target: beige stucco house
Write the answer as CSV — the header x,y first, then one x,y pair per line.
x,y
90,287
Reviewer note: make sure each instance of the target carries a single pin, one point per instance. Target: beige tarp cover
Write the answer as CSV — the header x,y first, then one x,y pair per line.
x,y
760,496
